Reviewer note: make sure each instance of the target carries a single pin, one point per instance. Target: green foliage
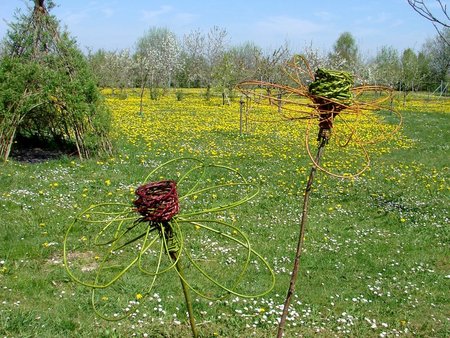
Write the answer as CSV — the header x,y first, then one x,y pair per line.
x,y
179,95
345,51
155,93
48,90
19,86
387,66
438,50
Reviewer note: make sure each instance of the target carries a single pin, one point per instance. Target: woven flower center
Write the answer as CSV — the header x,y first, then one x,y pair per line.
x,y
331,92
157,201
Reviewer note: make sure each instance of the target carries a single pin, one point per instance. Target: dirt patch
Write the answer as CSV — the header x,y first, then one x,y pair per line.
x,y
81,257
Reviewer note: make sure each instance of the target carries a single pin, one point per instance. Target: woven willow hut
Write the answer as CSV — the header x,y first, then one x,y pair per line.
x,y
48,93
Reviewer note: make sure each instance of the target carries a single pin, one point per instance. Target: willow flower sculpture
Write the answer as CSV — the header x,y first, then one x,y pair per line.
x,y
330,105
180,220
330,98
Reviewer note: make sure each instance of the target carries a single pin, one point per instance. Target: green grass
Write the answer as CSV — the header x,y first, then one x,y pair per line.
x,y
376,260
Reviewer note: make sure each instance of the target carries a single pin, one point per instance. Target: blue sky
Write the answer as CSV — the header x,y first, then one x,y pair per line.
x,y
113,24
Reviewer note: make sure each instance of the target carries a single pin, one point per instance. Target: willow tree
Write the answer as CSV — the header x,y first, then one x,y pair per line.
x,y
47,91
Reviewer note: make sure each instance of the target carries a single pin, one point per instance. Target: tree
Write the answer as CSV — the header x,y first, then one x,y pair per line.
x,y
269,64
345,52
142,66
386,67
245,60
423,63
47,90
410,73
112,69
238,63
193,59
438,52
319,59
439,18
202,55
97,62
215,50
161,48
156,59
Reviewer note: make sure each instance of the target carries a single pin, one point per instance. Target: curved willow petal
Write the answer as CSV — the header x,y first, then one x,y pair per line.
x,y
365,156
198,224
154,274
237,238
180,170
94,250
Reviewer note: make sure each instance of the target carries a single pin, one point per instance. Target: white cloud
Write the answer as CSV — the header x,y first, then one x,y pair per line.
x,y
324,16
167,16
91,12
185,18
288,26
107,12
74,18
377,19
153,16
276,30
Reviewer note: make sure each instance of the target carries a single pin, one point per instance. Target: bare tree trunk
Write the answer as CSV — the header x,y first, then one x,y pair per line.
x,y
144,81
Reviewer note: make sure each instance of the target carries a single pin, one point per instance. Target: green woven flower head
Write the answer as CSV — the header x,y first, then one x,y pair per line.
x,y
333,85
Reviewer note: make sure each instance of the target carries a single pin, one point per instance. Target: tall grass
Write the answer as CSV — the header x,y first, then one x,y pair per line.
x,y
376,250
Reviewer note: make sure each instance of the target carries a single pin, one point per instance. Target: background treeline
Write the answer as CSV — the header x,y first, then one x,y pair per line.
x,y
49,91
160,59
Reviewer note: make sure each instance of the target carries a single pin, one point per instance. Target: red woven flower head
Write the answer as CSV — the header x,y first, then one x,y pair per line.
x,y
157,201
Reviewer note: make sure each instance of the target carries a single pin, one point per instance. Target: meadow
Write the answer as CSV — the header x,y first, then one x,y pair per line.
x,y
376,258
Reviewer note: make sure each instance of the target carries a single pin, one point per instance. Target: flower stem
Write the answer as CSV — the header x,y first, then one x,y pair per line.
x,y
323,140
187,295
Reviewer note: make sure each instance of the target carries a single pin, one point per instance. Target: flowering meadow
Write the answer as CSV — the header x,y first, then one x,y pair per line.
x,y
376,254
